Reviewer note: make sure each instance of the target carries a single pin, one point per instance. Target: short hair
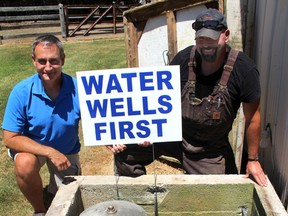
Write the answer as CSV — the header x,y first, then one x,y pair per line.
x,y
48,39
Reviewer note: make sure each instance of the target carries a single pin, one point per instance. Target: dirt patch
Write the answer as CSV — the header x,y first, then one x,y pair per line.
x,y
98,160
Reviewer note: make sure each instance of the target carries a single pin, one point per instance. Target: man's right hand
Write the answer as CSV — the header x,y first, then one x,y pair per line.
x,y
145,143
59,160
116,148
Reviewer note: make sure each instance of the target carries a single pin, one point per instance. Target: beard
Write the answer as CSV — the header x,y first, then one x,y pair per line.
x,y
208,54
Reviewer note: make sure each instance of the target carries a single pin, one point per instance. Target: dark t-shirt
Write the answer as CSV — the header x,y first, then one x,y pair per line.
x,y
243,84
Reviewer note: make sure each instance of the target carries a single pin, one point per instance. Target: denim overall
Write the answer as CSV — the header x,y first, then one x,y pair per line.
x,y
206,124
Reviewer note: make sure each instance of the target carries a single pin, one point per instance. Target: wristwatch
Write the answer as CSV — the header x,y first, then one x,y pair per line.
x,y
253,159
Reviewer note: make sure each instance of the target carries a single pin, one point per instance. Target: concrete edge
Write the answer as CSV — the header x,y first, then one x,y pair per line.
x,y
65,197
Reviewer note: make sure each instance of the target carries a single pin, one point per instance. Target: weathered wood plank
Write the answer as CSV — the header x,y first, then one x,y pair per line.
x,y
29,17
29,8
132,37
156,8
172,34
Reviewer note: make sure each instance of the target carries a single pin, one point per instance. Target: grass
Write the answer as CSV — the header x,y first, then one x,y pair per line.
x,y
16,64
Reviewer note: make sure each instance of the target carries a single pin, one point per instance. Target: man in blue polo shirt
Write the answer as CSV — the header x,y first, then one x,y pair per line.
x,y
41,123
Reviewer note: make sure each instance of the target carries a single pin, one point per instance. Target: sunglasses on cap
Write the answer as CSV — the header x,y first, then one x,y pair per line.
x,y
209,24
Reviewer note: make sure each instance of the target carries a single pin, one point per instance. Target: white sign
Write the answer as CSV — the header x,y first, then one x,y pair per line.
x,y
131,105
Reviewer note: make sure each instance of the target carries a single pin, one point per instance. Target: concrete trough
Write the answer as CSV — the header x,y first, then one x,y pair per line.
x,y
204,195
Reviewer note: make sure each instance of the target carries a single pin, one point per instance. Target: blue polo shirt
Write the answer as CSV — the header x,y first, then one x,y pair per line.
x,y
30,111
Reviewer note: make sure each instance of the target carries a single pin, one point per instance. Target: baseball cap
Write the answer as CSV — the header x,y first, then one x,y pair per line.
x,y
209,23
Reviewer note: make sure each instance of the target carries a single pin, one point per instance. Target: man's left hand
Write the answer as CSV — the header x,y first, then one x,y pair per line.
x,y
254,168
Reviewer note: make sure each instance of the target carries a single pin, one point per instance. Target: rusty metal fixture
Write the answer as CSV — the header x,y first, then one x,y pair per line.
x,y
111,210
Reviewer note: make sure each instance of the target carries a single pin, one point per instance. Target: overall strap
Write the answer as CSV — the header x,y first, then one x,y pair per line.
x,y
192,65
228,67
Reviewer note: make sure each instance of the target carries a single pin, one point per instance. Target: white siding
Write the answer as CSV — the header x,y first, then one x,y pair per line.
x,y
153,42
271,52
153,45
